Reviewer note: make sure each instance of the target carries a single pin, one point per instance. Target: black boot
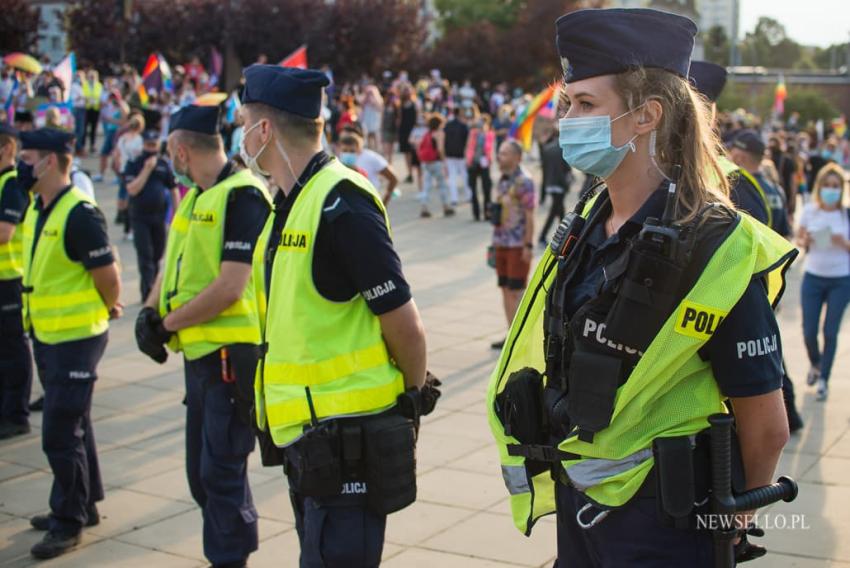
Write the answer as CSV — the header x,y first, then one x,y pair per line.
x,y
55,544
42,522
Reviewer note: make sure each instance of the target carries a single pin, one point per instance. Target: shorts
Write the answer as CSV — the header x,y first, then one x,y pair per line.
x,y
511,269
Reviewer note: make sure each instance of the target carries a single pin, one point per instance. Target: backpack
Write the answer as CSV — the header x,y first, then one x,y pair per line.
x,y
427,150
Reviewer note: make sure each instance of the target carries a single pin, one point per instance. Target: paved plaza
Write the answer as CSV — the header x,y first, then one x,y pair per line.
x,y
461,518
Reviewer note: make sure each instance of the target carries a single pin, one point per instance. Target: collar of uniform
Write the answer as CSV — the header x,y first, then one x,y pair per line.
x,y
652,207
39,204
225,172
316,163
6,170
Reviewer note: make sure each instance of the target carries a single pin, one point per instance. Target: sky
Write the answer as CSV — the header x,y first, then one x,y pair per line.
x,y
809,22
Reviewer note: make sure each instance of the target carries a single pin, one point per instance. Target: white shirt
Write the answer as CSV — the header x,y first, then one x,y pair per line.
x,y
81,180
130,147
373,164
830,261
77,98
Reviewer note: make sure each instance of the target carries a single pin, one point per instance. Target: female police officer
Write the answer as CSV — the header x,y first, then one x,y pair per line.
x,y
651,307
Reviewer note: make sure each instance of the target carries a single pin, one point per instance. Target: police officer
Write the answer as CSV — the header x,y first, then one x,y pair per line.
x,y
71,289
203,305
343,335
150,183
749,196
15,357
710,79
654,309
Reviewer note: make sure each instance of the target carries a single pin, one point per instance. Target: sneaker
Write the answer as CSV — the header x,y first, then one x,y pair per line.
x,y
42,522
795,423
823,390
55,544
497,344
448,212
37,405
11,429
97,178
408,179
813,376
425,214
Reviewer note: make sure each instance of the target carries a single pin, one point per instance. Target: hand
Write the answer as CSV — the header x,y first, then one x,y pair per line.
x,y
804,239
526,254
744,549
839,241
150,163
151,336
117,311
415,403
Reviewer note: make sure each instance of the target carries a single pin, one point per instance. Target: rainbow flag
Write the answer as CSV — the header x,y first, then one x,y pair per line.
x,y
156,76
544,102
779,96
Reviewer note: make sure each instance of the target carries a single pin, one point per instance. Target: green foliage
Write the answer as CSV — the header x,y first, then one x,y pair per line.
x,y
716,44
456,14
733,97
833,57
769,46
18,26
810,104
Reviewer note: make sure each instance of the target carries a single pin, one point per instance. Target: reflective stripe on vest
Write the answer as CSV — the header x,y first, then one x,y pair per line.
x,y
11,253
750,178
334,348
193,262
670,378
63,304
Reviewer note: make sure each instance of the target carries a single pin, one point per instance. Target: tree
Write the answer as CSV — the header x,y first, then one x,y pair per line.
x,y
769,46
810,104
95,30
19,23
833,57
716,44
455,14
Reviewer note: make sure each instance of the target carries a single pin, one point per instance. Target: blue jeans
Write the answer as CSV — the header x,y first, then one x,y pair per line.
x,y
80,127
814,293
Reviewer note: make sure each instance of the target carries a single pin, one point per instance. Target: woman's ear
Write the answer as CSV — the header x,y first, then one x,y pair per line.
x,y
648,117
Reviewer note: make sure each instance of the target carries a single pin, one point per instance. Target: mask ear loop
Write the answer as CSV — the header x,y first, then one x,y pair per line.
x,y
286,159
653,152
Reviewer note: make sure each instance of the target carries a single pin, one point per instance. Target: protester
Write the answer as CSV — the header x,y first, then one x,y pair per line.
x,y
373,109
409,116
390,124
374,166
824,231
479,155
129,147
512,217
557,177
111,116
432,154
456,133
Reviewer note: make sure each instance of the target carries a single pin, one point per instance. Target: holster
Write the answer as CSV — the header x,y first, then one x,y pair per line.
x,y
674,478
243,362
520,407
313,464
593,382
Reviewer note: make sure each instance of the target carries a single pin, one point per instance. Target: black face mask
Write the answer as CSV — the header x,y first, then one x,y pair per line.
x,y
146,154
26,177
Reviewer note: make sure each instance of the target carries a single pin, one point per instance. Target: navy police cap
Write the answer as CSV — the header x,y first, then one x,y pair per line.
x,y
48,140
606,42
8,130
749,141
296,91
708,78
201,119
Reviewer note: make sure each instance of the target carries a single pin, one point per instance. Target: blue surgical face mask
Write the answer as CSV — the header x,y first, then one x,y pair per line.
x,y
830,195
348,159
586,144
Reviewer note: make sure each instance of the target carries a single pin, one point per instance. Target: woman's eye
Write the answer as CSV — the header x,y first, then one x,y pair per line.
x,y
585,106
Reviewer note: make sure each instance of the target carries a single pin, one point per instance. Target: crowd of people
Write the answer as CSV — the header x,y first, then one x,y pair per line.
x,y
246,157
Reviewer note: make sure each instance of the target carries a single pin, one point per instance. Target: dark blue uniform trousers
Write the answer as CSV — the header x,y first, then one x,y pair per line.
x,y
340,531
15,357
629,536
149,234
217,446
68,372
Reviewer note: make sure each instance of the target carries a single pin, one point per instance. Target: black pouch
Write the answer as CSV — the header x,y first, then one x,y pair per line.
x,y
593,382
270,454
646,298
495,214
390,462
520,407
314,463
243,362
674,474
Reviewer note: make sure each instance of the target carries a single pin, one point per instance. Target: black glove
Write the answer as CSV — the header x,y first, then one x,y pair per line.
x,y
745,550
414,403
151,336
429,393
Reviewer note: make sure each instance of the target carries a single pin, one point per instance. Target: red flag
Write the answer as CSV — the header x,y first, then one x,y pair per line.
x,y
297,58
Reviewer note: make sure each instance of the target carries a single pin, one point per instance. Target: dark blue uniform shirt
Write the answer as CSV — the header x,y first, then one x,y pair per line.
x,y
739,370
152,201
354,253
13,206
747,198
776,200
